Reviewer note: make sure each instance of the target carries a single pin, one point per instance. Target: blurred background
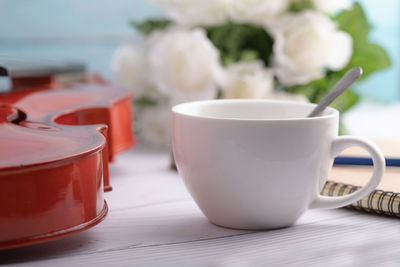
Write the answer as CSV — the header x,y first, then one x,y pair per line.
x,y
87,31
90,31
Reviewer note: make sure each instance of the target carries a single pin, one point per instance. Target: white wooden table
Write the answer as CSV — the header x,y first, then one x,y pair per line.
x,y
153,222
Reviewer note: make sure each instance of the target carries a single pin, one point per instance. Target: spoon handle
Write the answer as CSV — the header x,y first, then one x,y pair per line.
x,y
349,78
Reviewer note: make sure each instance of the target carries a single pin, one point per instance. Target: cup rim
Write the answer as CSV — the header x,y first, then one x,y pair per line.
x,y
329,112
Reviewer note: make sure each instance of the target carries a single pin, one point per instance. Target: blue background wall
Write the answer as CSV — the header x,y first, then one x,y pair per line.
x,y
385,19
90,31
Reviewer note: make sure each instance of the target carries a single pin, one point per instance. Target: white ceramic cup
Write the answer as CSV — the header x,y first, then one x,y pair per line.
x,y
260,164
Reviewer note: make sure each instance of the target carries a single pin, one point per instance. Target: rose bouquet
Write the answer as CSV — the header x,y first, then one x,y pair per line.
x,y
204,49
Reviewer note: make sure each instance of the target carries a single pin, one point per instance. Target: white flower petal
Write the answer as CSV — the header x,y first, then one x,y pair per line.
x,y
305,44
341,50
129,65
331,6
256,11
195,13
184,65
248,80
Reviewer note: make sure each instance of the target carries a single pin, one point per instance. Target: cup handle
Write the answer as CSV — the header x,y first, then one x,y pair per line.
x,y
338,145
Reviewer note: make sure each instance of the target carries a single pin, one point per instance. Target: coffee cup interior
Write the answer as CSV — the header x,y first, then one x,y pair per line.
x,y
249,109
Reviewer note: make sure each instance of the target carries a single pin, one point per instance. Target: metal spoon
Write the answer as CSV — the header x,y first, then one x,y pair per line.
x,y
348,79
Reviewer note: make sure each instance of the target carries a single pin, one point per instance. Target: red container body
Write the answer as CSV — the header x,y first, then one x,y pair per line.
x,y
55,145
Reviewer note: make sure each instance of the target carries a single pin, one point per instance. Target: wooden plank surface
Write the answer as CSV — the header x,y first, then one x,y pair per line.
x,y
154,222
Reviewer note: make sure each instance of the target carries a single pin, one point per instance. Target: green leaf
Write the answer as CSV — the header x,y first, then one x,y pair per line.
x,y
371,57
342,129
219,94
299,5
144,101
148,26
241,42
345,101
316,90
248,55
354,22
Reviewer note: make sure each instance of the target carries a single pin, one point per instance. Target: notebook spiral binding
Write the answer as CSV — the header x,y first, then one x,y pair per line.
x,y
377,202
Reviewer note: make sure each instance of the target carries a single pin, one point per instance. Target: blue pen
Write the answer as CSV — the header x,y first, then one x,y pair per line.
x,y
394,162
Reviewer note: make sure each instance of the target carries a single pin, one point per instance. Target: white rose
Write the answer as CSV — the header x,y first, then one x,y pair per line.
x,y
184,64
256,11
154,126
195,13
331,6
304,44
248,80
129,65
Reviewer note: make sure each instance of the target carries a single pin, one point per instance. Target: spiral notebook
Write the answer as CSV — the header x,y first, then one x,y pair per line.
x,y
354,168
